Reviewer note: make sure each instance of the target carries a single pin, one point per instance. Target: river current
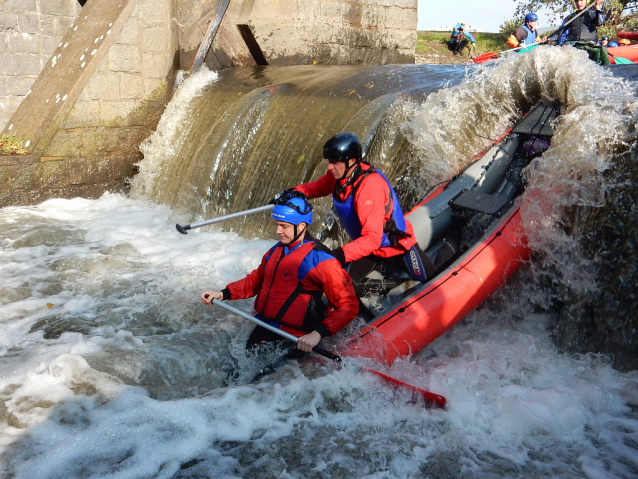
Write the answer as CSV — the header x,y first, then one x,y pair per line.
x,y
111,367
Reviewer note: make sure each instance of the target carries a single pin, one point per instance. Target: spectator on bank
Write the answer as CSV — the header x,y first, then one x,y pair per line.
x,y
460,39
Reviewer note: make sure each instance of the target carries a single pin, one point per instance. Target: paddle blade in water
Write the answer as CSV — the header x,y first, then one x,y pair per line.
x,y
431,399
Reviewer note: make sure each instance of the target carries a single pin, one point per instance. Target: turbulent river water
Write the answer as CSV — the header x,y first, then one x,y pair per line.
x,y
111,367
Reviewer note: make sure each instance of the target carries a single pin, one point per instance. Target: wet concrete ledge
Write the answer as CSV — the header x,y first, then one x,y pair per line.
x,y
29,180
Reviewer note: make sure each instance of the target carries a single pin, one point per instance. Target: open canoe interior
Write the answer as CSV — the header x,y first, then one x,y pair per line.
x,y
456,218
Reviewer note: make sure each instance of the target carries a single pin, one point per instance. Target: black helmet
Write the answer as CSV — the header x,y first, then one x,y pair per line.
x,y
342,147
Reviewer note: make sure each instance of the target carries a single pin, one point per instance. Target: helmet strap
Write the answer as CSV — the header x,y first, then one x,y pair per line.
x,y
296,233
348,168
354,175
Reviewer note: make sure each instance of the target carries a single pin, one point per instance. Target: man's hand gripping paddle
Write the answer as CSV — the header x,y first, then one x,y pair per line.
x,y
431,399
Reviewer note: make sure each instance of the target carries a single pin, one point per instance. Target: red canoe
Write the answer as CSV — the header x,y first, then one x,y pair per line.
x,y
628,52
480,204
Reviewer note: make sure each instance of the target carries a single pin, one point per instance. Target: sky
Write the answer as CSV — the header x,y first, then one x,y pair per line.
x,y
487,15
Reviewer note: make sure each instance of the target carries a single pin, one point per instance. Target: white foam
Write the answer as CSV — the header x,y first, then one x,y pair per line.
x,y
162,146
107,356
111,260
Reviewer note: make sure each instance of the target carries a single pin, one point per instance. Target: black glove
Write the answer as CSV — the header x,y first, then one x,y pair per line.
x,y
339,256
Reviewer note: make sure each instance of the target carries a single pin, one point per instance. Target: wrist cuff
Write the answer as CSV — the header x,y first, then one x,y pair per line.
x,y
226,293
339,255
322,330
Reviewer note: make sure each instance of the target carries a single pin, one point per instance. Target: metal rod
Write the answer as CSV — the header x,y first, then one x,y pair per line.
x,y
183,229
210,35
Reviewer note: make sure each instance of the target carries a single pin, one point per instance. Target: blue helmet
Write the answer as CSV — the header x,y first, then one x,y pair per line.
x,y
292,210
613,44
531,17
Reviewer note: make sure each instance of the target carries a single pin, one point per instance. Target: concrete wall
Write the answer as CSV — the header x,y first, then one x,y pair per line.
x,y
30,30
108,73
298,32
100,94
368,32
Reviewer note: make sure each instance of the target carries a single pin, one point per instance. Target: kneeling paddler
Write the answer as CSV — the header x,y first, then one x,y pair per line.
x,y
291,280
368,209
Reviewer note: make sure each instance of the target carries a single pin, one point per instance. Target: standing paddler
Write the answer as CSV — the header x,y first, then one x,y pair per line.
x,y
527,34
580,26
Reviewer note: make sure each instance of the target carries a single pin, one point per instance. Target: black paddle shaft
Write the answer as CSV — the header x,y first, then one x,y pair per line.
x,y
283,334
327,354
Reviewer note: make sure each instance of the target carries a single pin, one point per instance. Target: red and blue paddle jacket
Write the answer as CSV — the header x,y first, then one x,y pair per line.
x,y
369,210
289,284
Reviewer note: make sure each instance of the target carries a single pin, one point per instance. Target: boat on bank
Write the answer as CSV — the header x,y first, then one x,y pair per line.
x,y
479,208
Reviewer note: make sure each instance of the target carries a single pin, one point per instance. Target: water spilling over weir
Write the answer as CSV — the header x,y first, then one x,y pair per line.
x,y
270,124
111,367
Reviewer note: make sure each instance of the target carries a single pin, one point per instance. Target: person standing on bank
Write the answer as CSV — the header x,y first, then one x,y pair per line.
x,y
369,211
580,26
291,280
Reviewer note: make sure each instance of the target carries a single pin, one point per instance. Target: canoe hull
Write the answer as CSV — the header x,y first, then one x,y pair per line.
x,y
628,52
431,311
481,205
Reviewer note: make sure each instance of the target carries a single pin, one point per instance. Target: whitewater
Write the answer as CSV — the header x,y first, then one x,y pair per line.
x,y
111,367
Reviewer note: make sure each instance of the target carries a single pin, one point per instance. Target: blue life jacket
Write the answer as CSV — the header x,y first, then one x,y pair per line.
x,y
531,36
393,229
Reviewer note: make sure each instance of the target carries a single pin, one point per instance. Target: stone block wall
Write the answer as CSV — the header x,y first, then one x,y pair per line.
x,y
30,31
101,93
124,98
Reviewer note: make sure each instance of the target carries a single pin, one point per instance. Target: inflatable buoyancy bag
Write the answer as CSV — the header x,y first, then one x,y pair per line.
x,y
597,53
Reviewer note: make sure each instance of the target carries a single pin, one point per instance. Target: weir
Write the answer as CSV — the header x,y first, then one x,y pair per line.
x,y
254,131
105,346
